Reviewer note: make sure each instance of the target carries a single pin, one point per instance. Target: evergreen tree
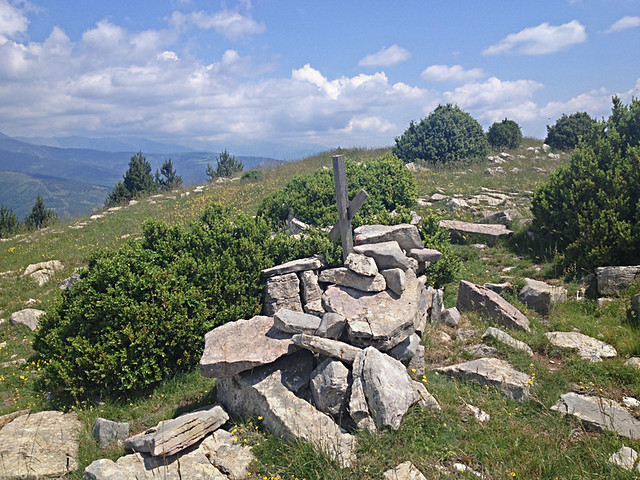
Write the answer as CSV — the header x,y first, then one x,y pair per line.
x,y
40,216
138,181
171,179
9,223
228,165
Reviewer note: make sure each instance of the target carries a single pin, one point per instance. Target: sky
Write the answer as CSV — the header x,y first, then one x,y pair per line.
x,y
286,77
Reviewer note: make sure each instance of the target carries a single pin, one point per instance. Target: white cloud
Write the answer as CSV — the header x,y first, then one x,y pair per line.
x,y
229,23
386,57
456,73
168,55
624,23
491,92
12,21
540,40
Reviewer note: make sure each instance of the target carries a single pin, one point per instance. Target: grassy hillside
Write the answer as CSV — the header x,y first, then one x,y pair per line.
x,y
521,440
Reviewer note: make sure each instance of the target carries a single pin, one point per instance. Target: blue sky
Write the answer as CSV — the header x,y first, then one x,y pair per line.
x,y
278,77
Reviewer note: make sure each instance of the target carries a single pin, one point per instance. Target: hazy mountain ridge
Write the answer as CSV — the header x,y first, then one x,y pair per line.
x,y
73,181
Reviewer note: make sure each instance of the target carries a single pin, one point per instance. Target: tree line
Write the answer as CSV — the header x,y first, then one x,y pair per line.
x,y
39,217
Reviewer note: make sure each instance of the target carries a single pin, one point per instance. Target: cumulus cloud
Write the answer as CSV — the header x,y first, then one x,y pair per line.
x,y
540,40
456,73
12,21
229,23
386,57
492,91
623,24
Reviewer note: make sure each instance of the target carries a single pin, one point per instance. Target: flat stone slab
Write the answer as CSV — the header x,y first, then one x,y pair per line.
x,y
588,348
348,278
611,280
386,254
491,232
495,373
489,304
424,255
27,317
328,347
507,339
600,414
284,414
40,445
228,456
379,319
290,321
242,345
405,234
312,263
172,436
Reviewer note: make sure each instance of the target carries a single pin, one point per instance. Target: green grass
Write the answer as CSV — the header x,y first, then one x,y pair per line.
x,y
521,440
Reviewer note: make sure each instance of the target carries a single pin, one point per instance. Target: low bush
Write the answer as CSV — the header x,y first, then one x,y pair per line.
x,y
568,130
139,314
447,269
311,198
506,134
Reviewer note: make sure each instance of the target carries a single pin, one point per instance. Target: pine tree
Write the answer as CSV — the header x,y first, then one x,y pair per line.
x,y
9,223
138,179
171,179
40,216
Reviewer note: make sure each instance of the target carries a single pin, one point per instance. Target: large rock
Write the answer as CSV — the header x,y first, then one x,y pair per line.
x,y
312,263
494,373
27,317
489,304
358,407
541,296
588,348
242,345
387,387
44,271
283,413
361,264
348,278
328,347
404,471
331,326
40,445
329,387
290,321
406,235
387,255
395,279
612,280
599,414
107,432
507,339
282,291
172,436
504,217
490,232
382,319
231,458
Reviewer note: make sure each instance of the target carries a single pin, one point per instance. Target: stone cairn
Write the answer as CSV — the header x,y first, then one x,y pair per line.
x,y
336,348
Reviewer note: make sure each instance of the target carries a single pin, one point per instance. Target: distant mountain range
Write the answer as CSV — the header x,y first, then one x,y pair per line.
x,y
73,181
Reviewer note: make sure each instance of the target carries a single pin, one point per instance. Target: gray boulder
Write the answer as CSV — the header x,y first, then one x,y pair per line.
x,y
40,445
332,326
406,349
386,254
424,255
311,291
329,387
68,283
541,296
282,291
283,413
312,263
635,305
599,414
387,387
587,347
107,432
27,317
172,436
437,306
451,317
361,264
348,278
328,347
494,373
626,458
472,297
44,271
416,364
612,280
507,339
358,407
395,280
407,236
504,217
243,345
490,233
295,322
499,288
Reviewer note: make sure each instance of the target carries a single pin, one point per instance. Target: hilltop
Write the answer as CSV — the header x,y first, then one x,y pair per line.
x,y
521,440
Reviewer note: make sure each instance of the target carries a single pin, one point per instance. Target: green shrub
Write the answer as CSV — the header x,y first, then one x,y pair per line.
x,y
447,134
251,175
590,210
506,133
447,269
568,130
312,197
140,314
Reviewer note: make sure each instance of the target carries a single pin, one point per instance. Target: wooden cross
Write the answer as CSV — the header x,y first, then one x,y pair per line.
x,y
346,210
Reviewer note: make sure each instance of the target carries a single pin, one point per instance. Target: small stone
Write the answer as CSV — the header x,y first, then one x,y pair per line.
x,y
406,235
478,414
332,326
451,317
442,338
386,255
228,456
541,296
329,386
395,280
472,297
633,362
626,458
404,471
631,402
107,432
27,317
361,264
282,291
507,339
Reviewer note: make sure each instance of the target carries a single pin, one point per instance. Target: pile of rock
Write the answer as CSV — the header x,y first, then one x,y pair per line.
x,y
334,351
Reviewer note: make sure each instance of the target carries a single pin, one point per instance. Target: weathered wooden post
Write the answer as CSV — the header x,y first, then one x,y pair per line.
x,y
346,210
